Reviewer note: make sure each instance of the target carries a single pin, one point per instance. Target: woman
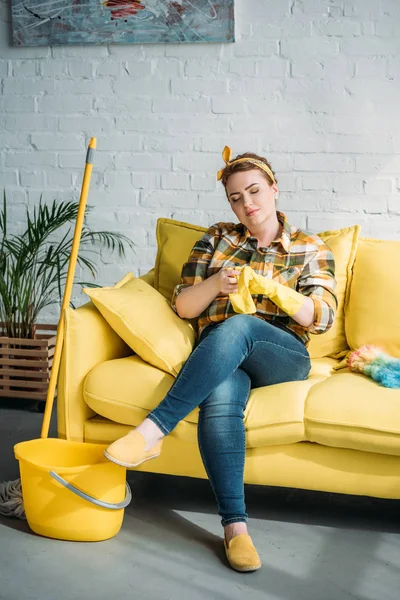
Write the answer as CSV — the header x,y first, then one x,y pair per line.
x,y
237,352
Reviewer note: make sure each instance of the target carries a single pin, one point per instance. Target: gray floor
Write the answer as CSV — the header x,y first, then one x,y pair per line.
x,y
313,546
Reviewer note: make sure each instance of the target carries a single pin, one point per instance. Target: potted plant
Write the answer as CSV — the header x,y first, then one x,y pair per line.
x,y
33,269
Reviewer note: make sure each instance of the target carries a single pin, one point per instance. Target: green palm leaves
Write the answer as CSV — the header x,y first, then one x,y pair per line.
x,y
34,264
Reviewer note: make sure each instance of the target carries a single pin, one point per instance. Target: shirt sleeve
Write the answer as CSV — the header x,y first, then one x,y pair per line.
x,y
195,269
317,281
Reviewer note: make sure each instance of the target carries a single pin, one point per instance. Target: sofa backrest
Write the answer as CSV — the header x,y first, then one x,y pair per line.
x,y
372,313
176,239
343,243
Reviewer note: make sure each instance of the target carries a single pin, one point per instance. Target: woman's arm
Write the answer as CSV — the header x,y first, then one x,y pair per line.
x,y
196,291
194,299
317,282
305,314
194,274
312,304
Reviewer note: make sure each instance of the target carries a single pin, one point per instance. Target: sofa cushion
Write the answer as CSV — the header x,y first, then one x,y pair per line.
x,y
175,241
144,319
373,311
350,410
126,390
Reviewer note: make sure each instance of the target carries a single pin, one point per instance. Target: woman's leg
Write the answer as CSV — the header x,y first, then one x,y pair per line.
x,y
221,437
269,355
211,378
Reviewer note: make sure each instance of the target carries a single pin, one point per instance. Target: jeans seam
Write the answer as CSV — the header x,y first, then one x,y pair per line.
x,y
244,444
237,519
282,347
201,453
158,422
247,400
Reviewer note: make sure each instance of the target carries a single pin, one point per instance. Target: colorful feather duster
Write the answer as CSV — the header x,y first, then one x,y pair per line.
x,y
375,363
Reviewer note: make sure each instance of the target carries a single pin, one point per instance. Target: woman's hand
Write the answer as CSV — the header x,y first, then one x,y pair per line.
x,y
227,280
193,300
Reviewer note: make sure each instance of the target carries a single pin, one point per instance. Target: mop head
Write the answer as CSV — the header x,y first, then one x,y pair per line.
x,y
375,363
11,503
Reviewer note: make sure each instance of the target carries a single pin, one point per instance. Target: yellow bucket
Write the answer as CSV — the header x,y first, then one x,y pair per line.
x,y
70,490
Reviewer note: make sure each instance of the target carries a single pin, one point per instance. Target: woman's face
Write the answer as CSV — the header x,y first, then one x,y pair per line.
x,y
252,198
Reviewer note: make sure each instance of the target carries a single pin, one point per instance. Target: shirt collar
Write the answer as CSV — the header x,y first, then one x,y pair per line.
x,y
284,235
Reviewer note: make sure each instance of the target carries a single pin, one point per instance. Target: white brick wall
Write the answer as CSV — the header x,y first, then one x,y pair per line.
x,y
312,84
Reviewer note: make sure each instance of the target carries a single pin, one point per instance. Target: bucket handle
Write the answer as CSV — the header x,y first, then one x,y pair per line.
x,y
81,494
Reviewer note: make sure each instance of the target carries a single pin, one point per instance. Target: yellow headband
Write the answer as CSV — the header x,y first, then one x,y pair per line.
x,y
227,155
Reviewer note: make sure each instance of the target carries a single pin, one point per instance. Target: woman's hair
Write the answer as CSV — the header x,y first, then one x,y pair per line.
x,y
244,166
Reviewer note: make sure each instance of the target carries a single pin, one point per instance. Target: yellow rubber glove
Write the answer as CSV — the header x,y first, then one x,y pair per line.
x,y
241,301
249,283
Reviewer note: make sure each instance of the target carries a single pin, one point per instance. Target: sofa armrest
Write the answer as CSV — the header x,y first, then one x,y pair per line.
x,y
88,341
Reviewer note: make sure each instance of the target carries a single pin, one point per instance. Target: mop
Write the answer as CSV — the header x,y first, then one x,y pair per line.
x,y
11,501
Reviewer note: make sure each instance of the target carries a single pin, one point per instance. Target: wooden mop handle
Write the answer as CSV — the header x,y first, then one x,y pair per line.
x,y
68,288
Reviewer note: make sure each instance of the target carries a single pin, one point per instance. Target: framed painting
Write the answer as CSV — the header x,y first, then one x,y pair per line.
x,y
51,22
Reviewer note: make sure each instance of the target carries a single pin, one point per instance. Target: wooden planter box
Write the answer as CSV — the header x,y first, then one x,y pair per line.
x,y
25,364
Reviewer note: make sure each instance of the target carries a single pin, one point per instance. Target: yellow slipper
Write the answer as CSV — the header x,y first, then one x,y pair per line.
x,y
129,451
241,554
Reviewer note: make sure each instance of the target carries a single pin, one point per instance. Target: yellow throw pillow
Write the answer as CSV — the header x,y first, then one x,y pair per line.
x,y
175,240
343,243
373,309
143,318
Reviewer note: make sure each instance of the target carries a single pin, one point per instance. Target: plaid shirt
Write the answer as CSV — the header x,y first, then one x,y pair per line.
x,y
298,259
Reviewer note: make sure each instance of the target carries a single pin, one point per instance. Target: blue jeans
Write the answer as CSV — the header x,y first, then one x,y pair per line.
x,y
230,358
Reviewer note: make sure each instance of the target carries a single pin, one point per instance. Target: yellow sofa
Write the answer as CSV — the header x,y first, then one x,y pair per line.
x,y
337,431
